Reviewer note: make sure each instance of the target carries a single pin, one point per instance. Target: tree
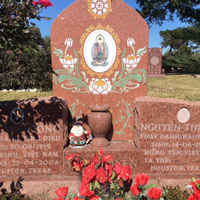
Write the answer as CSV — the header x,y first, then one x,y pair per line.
x,y
25,60
15,16
183,55
155,11
30,67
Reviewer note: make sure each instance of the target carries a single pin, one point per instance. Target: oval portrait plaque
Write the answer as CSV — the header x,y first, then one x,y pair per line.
x,y
155,60
17,116
100,51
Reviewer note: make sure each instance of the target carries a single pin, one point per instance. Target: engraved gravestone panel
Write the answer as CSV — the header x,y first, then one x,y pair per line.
x,y
168,134
32,137
101,60
155,61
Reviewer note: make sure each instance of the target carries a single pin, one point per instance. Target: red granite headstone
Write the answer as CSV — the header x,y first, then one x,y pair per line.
x,y
168,136
99,55
32,137
155,63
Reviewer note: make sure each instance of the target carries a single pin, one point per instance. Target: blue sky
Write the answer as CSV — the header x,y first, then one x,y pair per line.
x,y
60,5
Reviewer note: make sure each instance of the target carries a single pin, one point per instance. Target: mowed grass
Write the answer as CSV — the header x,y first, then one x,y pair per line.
x,y
23,95
184,87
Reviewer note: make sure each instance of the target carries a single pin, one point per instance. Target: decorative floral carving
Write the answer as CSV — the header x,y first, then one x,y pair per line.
x,y
100,86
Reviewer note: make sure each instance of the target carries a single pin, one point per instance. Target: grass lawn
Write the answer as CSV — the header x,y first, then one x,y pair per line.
x,y
173,86
22,95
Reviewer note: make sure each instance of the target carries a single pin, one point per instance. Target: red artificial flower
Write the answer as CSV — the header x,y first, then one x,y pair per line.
x,y
107,158
45,3
101,152
135,190
101,175
109,169
94,197
142,179
197,194
62,192
125,173
88,173
77,198
36,3
59,199
155,193
78,166
192,197
117,168
85,190
194,184
70,157
119,199
96,159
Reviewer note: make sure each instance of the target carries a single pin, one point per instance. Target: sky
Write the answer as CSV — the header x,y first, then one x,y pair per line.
x,y
59,5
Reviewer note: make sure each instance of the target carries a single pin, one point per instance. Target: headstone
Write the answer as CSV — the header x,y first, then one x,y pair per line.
x,y
32,137
168,136
155,63
197,76
99,55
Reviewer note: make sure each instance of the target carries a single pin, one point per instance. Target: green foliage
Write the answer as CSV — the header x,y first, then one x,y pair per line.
x,y
155,11
28,68
175,193
183,54
15,16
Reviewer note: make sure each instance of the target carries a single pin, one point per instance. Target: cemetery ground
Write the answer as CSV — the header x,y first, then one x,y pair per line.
x,y
184,87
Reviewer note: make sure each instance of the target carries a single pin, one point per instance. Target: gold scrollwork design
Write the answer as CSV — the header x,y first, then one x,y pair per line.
x,y
82,41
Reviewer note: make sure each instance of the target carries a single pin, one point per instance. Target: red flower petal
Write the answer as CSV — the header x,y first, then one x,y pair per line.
x,y
62,192
88,173
155,193
77,198
117,168
142,179
107,158
101,152
70,157
125,173
36,3
101,175
94,197
135,190
85,191
109,169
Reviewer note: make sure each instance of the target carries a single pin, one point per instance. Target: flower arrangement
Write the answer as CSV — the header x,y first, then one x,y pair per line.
x,y
195,188
101,180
